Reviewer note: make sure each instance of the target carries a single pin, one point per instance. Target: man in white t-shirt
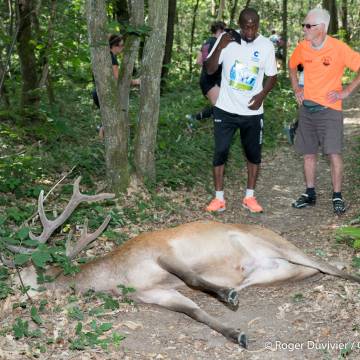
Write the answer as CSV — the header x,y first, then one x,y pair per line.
x,y
240,102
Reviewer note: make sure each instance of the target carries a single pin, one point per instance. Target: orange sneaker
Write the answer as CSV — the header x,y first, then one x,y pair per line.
x,y
251,204
216,205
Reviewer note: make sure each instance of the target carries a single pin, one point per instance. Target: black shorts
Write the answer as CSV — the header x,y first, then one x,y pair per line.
x,y
251,134
207,82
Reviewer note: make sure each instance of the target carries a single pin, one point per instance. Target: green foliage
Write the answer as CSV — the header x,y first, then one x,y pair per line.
x,y
95,337
125,291
356,262
21,329
5,289
35,315
298,298
75,313
349,235
348,349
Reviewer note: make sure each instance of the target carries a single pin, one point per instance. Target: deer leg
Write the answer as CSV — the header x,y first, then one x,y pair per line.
x,y
173,300
192,279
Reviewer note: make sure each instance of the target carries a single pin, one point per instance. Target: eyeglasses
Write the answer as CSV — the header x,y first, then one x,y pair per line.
x,y
309,26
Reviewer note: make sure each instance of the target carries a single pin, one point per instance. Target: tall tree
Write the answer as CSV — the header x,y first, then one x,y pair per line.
x,y
121,11
26,50
221,11
116,155
284,34
233,22
192,34
344,20
45,78
130,53
169,38
330,5
150,90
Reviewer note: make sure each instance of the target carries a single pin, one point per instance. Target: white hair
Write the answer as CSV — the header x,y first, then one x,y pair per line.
x,y
322,16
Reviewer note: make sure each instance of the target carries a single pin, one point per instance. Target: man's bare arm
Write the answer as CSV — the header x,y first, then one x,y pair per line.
x,y
256,101
212,62
334,96
298,90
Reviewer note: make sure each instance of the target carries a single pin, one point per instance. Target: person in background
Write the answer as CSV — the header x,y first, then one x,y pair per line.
x,y
278,43
209,84
274,38
324,59
116,44
240,103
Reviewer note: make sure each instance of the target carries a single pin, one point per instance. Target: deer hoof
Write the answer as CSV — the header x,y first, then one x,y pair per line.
x,y
242,340
233,298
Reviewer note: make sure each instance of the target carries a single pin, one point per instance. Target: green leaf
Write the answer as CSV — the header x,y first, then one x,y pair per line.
x,y
4,274
356,262
117,338
356,244
23,233
20,328
78,328
320,252
5,290
42,305
298,298
21,259
76,313
35,316
40,258
350,231
104,327
29,242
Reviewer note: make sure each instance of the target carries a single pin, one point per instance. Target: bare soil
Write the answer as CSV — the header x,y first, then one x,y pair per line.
x,y
312,319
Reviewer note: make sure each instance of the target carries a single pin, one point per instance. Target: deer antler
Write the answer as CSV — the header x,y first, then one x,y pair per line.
x,y
7,262
49,226
85,238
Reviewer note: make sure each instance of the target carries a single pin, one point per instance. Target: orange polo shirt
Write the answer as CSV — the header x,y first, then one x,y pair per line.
x,y
324,68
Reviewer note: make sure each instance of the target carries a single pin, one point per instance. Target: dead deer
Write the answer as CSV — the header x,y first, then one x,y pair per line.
x,y
213,257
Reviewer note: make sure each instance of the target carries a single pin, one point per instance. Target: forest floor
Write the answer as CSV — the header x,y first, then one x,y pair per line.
x,y
318,316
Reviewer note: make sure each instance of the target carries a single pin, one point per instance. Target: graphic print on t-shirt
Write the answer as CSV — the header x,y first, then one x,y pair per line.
x,y
242,76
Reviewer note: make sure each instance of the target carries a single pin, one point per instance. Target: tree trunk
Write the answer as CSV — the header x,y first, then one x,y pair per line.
x,y
169,38
344,20
3,92
130,52
213,8
330,5
6,50
220,15
26,50
232,14
121,11
284,34
193,25
145,141
116,150
45,72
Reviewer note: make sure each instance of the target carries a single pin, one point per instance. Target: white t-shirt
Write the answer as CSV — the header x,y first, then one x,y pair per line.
x,y
243,69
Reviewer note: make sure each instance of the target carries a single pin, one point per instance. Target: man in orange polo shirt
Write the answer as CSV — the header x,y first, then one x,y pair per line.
x,y
320,115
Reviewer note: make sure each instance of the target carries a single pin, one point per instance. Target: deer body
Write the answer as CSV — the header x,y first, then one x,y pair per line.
x,y
216,258
213,257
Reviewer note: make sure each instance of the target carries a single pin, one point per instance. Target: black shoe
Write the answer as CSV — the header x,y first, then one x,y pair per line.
x,y
339,206
303,201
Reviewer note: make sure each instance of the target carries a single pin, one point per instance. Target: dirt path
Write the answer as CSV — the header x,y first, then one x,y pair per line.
x,y
320,312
